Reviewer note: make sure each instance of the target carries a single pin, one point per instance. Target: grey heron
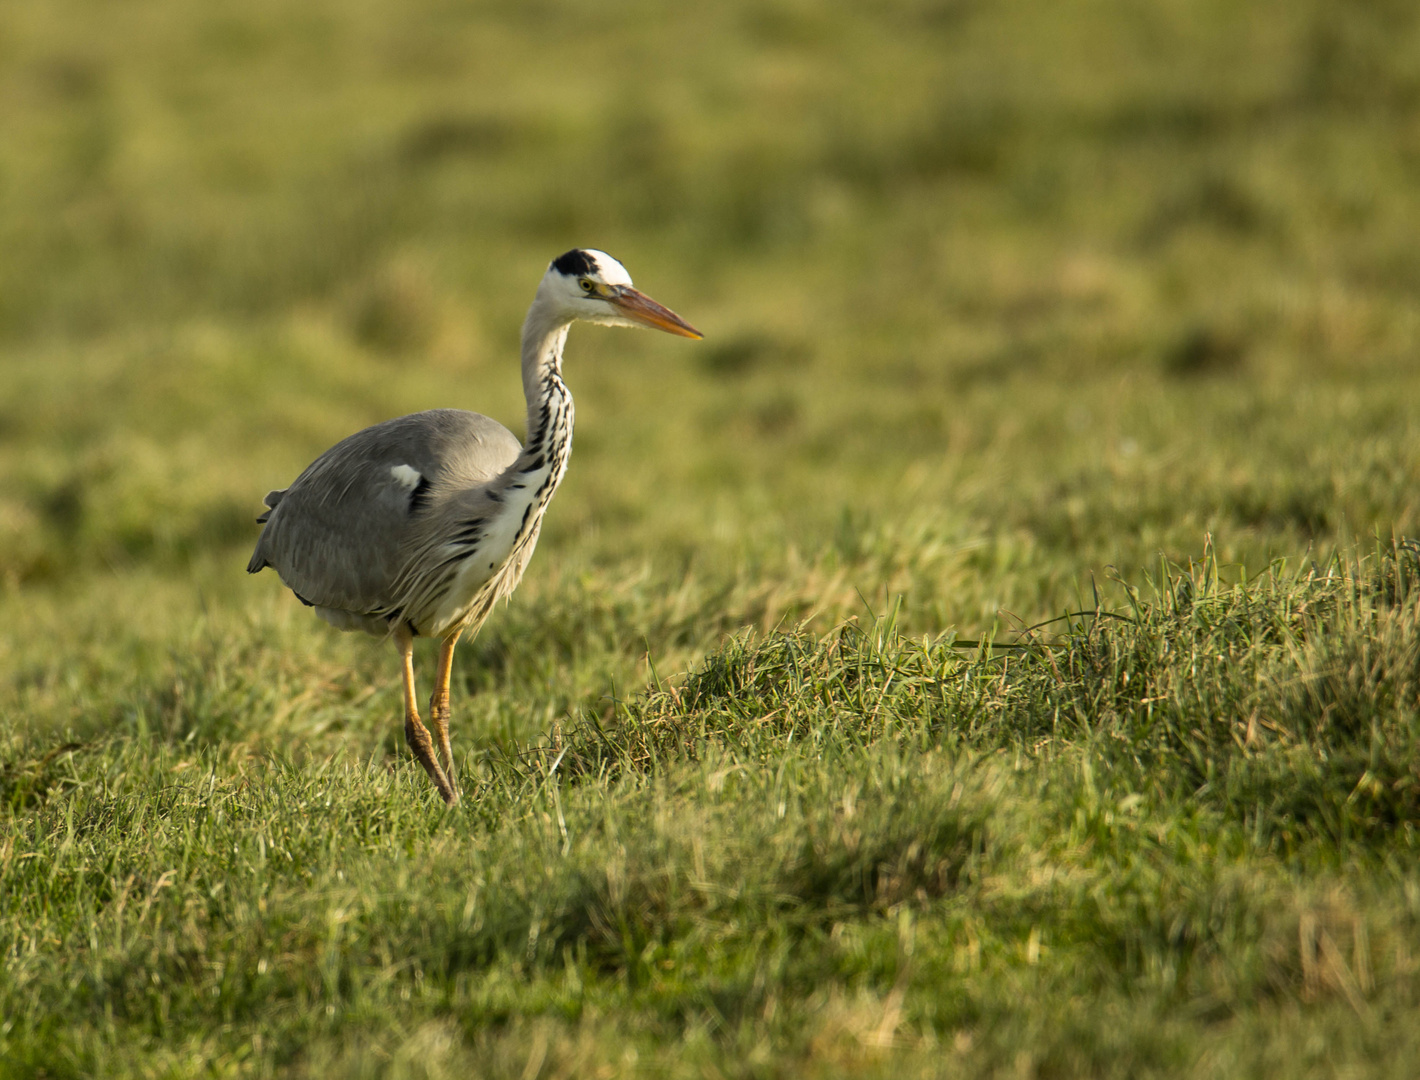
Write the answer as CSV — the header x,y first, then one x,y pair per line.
x,y
417,526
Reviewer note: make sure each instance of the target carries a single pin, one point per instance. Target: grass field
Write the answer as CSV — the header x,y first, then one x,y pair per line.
x,y
994,651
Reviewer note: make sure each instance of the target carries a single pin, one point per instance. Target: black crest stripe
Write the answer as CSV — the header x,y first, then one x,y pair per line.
x,y
574,263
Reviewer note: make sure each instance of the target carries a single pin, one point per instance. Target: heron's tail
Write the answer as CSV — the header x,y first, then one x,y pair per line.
x,y
271,500
258,557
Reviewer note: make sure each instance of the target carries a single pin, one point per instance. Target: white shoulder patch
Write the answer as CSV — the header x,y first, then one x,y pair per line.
x,y
406,475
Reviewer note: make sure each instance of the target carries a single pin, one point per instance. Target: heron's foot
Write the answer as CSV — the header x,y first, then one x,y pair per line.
x,y
417,735
439,720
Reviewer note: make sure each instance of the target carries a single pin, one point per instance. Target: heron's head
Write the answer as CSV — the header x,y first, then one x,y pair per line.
x,y
592,286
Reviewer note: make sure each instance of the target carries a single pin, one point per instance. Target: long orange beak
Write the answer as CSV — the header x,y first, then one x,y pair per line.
x,y
640,308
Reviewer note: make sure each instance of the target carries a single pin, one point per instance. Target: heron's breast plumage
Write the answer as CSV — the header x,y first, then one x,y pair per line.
x,y
486,557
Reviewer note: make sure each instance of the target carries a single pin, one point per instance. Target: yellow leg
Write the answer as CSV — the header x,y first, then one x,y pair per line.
x,y
415,733
439,702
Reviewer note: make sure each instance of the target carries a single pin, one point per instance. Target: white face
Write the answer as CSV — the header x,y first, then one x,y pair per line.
x,y
578,284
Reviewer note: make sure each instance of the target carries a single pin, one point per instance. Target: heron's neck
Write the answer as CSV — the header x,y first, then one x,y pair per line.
x,y
549,401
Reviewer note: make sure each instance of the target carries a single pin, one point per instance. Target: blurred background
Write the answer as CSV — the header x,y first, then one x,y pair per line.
x,y
996,295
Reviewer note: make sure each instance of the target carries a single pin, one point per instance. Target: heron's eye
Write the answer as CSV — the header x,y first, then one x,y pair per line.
x,y
588,285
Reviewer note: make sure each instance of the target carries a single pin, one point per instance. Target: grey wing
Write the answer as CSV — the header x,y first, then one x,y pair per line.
x,y
341,534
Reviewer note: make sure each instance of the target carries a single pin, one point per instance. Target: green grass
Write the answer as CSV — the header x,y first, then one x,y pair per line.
x,y
1178,839
1083,330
